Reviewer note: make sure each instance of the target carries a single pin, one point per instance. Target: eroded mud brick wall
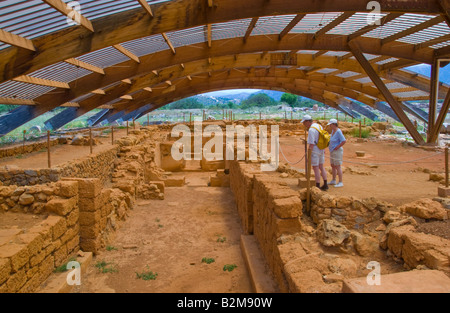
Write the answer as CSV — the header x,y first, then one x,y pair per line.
x,y
268,209
241,184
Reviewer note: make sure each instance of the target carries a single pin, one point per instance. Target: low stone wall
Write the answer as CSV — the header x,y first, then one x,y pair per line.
x,y
349,211
276,212
268,209
29,256
27,148
28,177
241,184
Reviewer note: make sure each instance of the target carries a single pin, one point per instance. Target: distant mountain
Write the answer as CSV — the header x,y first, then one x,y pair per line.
x,y
425,69
209,100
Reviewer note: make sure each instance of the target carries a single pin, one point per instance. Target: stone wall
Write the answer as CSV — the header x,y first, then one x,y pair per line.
x,y
28,148
29,256
351,212
268,209
28,177
99,165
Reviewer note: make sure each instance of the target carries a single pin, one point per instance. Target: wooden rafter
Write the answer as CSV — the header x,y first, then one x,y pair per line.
x,y
146,6
127,53
85,65
318,54
209,35
250,28
445,11
98,92
393,103
291,25
333,24
169,43
412,30
41,82
397,64
15,40
70,105
390,17
16,101
63,8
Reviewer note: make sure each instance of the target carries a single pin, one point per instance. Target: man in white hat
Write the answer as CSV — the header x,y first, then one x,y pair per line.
x,y
318,155
337,141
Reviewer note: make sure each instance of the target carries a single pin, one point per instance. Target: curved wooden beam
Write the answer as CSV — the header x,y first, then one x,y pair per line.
x,y
177,15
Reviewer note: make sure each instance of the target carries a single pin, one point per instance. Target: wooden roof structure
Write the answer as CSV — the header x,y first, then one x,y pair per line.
x,y
130,56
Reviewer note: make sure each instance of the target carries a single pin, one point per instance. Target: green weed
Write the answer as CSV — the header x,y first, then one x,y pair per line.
x,y
229,267
147,275
208,260
105,267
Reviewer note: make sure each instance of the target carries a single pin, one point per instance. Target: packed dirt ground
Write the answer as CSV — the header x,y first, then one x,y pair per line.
x,y
396,182
171,238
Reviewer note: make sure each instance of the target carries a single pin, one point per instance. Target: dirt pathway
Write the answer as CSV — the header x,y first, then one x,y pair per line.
x,y
172,237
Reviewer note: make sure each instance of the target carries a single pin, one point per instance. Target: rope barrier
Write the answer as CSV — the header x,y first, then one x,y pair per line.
x,y
391,163
281,150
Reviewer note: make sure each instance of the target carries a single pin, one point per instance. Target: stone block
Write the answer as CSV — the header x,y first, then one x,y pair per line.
x,y
90,204
287,226
443,191
46,267
90,245
16,253
175,182
160,184
61,206
287,207
87,187
67,189
303,182
16,281
73,244
89,218
5,270
34,242
72,218
60,255
90,232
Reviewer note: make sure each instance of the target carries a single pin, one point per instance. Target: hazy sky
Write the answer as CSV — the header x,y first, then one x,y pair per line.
x,y
232,91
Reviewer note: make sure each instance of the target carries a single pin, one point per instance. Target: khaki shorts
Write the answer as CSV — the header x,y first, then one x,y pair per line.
x,y
337,156
317,157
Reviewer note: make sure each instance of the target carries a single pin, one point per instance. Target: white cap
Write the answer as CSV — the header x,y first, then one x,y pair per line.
x,y
306,118
332,121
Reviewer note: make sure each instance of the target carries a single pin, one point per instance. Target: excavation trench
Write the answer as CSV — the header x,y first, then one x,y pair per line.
x,y
171,238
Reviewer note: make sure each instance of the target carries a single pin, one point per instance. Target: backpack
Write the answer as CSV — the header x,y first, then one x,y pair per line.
x,y
324,139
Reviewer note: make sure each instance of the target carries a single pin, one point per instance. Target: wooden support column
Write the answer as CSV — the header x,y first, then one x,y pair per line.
x,y
434,84
393,103
440,120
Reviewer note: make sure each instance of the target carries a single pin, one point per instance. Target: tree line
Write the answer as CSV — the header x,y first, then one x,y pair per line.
x,y
258,100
